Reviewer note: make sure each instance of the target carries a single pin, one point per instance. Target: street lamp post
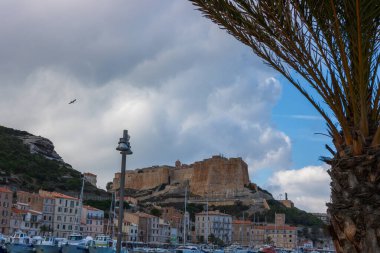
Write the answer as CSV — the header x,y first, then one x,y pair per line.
x,y
125,149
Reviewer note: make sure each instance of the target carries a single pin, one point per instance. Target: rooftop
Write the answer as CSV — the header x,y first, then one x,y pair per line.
x,y
6,190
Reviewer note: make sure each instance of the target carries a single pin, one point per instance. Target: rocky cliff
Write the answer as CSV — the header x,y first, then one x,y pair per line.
x,y
40,145
30,163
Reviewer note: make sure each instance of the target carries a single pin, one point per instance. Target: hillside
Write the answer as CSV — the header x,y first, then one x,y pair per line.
x,y
30,163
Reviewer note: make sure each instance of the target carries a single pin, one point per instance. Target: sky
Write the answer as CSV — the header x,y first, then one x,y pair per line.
x,y
183,88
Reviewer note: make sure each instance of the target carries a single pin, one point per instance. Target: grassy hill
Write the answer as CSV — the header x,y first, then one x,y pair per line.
x,y
21,169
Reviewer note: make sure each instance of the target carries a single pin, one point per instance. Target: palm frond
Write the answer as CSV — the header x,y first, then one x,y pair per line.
x,y
332,44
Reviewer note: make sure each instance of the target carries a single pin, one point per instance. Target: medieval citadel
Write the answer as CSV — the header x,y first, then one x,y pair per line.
x,y
216,176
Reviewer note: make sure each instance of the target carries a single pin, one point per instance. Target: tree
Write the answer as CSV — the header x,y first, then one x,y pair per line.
x,y
329,50
156,212
109,186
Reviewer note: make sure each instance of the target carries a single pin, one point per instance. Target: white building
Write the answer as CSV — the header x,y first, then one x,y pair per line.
x,y
215,223
163,231
131,231
66,213
48,215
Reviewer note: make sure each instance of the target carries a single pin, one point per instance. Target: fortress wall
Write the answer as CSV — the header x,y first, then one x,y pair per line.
x,y
219,175
180,175
147,178
214,175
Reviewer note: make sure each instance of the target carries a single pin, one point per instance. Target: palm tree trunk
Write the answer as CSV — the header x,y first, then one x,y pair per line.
x,y
355,202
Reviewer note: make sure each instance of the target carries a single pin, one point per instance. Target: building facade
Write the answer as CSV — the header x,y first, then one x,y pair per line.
x,y
242,232
91,178
48,215
163,231
66,214
213,223
34,200
5,209
93,219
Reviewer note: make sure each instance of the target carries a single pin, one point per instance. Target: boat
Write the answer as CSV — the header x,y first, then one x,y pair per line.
x,y
76,243
188,249
3,239
267,249
20,243
49,245
102,244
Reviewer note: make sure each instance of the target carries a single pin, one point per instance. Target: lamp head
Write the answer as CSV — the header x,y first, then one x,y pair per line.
x,y
124,146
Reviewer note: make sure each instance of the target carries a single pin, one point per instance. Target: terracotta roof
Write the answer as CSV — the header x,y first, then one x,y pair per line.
x,y
6,190
90,208
144,215
62,196
213,213
18,211
286,227
245,222
89,173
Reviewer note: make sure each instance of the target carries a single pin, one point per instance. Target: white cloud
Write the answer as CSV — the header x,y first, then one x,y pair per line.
x,y
308,187
182,87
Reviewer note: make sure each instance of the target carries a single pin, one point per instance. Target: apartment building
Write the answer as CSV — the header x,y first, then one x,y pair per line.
x,y
282,236
48,215
242,232
163,231
131,231
93,220
66,214
34,200
278,234
25,219
213,223
16,220
5,209
148,226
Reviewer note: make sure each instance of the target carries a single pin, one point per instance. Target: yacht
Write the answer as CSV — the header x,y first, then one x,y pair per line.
x,y
49,245
20,243
76,243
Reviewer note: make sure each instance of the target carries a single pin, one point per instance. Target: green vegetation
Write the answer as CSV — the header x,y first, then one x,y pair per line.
x,y
235,210
99,204
156,212
31,172
294,216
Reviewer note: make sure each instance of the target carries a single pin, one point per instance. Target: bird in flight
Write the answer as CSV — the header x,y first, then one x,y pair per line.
x,y
72,101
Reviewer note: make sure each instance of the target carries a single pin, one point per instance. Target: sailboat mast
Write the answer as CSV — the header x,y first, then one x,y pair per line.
x,y
80,206
184,219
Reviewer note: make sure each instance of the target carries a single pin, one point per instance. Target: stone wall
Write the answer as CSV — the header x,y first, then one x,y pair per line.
x,y
180,175
219,175
147,178
214,175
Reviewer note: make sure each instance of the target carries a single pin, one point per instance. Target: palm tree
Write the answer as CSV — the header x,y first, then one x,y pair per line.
x,y
332,48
